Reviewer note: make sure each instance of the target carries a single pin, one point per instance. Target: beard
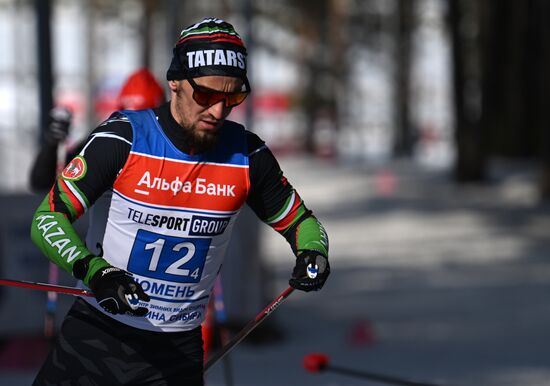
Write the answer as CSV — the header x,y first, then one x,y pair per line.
x,y
200,142
196,141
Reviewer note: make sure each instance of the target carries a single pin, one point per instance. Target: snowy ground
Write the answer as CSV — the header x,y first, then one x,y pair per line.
x,y
452,282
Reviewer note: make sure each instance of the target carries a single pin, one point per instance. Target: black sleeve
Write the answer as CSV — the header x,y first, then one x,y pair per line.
x,y
105,153
269,189
43,170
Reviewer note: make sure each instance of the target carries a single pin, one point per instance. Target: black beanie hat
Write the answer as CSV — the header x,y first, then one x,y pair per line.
x,y
210,47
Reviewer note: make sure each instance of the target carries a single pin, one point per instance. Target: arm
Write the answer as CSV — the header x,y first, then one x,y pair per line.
x,y
82,182
43,169
277,203
45,164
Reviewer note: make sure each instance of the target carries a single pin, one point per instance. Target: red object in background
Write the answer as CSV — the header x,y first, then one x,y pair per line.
x,y
23,353
362,333
315,362
428,135
385,182
141,91
271,102
263,102
208,329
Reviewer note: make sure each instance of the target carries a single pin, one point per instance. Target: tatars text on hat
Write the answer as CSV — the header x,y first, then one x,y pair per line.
x,y
218,57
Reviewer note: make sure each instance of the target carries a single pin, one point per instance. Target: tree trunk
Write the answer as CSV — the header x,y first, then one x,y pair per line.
x,y
404,139
471,157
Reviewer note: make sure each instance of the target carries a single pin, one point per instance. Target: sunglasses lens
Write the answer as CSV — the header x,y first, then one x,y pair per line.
x,y
235,99
209,98
205,98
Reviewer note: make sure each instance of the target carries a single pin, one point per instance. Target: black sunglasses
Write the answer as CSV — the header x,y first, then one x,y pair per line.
x,y
207,97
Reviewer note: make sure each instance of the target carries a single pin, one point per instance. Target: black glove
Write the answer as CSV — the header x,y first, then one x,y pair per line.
x,y
58,124
117,292
310,272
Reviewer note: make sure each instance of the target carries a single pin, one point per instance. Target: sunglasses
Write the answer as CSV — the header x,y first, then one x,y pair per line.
x,y
207,97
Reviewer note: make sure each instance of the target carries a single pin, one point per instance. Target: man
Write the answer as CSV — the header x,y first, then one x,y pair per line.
x,y
140,91
179,175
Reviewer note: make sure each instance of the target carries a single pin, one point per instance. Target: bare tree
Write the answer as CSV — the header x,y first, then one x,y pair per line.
x,y
470,140
404,136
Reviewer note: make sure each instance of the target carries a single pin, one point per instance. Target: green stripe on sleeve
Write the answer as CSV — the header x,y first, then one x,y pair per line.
x,y
55,236
65,199
311,235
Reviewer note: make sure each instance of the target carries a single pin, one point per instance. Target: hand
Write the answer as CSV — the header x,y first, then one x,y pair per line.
x,y
117,292
310,272
58,124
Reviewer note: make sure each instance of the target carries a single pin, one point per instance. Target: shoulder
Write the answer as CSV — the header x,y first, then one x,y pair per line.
x,y
253,141
117,126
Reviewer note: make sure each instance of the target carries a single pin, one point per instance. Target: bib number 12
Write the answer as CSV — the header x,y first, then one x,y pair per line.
x,y
168,258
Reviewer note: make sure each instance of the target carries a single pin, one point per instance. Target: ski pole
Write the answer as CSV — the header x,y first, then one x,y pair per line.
x,y
220,320
51,303
53,271
318,362
248,328
46,287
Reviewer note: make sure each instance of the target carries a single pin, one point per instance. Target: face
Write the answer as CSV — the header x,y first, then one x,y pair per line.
x,y
201,123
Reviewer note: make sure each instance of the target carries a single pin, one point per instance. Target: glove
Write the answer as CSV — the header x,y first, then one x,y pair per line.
x,y
117,292
310,272
58,125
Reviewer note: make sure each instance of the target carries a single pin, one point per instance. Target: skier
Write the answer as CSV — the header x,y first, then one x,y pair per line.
x,y
178,176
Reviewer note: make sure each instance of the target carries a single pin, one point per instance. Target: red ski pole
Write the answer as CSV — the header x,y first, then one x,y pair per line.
x,y
248,328
46,287
318,362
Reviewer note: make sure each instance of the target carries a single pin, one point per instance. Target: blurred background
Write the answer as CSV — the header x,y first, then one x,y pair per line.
x,y
416,130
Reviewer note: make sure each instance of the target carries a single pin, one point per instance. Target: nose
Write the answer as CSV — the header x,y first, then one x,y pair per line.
x,y
218,110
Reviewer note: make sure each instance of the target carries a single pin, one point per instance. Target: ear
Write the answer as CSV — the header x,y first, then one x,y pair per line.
x,y
173,85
